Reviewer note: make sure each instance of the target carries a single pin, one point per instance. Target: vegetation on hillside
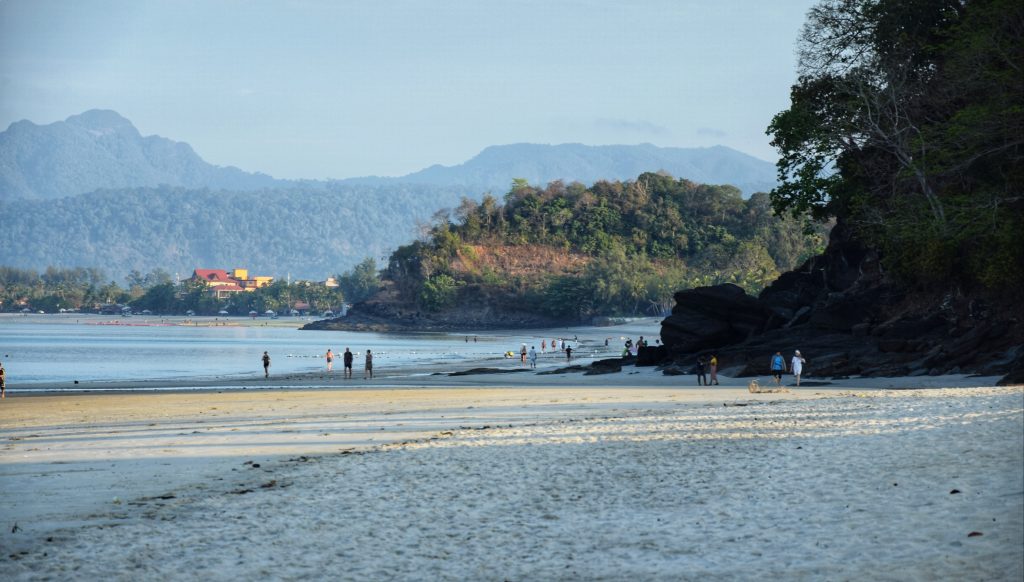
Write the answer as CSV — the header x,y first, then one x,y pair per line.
x,y
308,233
907,123
616,248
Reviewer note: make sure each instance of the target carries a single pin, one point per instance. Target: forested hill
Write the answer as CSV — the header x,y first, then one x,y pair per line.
x,y
495,167
100,149
309,233
570,252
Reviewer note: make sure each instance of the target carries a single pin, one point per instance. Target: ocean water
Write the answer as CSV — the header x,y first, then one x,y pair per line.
x,y
58,349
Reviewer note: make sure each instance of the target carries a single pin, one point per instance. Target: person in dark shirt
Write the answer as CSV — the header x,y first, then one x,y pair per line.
x,y
347,359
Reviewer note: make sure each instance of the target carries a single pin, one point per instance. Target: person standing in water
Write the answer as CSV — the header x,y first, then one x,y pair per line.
x,y
533,357
368,370
266,365
347,360
330,360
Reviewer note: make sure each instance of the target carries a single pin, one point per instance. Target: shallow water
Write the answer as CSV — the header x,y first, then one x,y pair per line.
x,y
58,349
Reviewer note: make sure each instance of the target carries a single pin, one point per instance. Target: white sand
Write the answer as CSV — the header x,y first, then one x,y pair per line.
x,y
620,483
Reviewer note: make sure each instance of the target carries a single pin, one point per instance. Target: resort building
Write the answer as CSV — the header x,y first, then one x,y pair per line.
x,y
223,285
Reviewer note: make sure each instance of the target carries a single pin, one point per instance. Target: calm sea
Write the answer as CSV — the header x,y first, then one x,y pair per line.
x,y
58,349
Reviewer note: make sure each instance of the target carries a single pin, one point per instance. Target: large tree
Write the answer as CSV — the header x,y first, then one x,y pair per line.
x,y
907,121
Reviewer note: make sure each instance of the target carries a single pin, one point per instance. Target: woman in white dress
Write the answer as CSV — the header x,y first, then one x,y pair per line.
x,y
797,366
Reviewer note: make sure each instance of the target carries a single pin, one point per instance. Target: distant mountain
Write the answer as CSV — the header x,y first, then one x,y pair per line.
x,y
309,233
495,167
100,149
143,202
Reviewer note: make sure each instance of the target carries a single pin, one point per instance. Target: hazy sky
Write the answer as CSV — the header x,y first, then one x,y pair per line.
x,y
322,89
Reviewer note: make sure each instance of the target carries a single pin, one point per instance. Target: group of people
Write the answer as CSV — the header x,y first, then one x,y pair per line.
x,y
777,366
796,366
557,344
346,359
531,355
702,368
630,348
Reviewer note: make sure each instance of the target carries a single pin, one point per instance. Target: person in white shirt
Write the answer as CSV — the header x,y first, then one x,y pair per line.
x,y
796,366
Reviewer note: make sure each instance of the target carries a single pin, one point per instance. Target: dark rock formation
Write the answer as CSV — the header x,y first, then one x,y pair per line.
x,y
479,371
650,355
606,366
712,317
847,318
386,312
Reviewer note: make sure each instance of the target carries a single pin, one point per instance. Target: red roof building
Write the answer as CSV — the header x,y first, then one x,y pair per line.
x,y
213,277
222,284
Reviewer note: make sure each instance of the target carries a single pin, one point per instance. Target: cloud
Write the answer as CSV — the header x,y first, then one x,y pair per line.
x,y
711,132
639,126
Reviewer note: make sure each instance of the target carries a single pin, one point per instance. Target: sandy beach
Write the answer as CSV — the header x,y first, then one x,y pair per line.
x,y
630,475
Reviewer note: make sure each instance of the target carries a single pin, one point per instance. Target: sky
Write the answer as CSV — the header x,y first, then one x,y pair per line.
x,y
334,89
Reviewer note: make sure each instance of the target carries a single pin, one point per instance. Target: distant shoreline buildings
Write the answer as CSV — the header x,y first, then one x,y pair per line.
x,y
223,285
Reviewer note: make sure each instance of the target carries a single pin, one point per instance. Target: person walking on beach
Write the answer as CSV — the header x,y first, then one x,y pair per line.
x,y
347,360
522,354
330,360
266,365
3,381
533,357
543,345
714,369
778,367
797,366
568,353
368,371
702,365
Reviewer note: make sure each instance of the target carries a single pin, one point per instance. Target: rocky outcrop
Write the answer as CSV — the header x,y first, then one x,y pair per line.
x,y
385,312
847,318
712,317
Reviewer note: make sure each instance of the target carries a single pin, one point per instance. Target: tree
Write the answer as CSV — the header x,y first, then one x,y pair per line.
x,y
438,292
362,282
906,122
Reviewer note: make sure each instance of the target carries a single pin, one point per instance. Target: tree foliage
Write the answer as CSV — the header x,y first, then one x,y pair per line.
x,y
640,242
361,282
308,233
907,121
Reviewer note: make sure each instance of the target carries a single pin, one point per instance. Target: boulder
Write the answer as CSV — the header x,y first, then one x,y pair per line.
x,y
650,355
711,317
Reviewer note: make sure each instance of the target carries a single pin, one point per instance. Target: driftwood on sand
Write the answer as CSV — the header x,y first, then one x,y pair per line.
x,y
755,388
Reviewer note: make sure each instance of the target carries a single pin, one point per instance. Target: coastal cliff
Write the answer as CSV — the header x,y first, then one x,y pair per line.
x,y
848,317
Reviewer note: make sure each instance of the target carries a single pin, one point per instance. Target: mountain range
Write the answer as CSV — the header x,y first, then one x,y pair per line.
x,y
495,167
100,149
128,201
